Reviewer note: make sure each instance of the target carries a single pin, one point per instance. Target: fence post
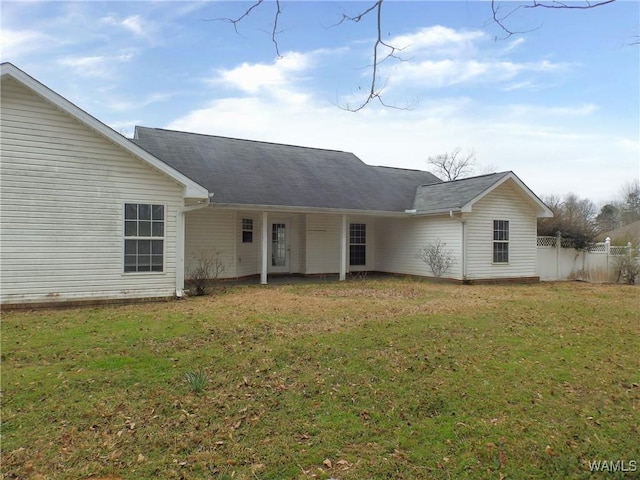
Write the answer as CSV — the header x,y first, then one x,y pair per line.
x,y
558,247
607,249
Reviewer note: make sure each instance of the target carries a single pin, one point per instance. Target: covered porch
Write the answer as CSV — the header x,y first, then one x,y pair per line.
x,y
276,243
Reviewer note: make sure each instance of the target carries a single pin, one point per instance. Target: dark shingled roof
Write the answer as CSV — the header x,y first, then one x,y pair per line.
x,y
453,195
260,173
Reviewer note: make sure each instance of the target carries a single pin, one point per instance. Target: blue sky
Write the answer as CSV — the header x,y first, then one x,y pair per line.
x,y
559,105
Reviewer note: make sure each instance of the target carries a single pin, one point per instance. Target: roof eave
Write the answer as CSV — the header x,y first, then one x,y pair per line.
x,y
305,209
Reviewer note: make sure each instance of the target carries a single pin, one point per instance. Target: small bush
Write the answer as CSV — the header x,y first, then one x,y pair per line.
x,y
627,268
196,381
437,258
209,266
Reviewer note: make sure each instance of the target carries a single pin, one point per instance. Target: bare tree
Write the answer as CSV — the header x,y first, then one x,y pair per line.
x,y
453,165
383,51
573,217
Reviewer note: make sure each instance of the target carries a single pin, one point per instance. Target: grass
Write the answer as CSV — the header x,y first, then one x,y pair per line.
x,y
377,379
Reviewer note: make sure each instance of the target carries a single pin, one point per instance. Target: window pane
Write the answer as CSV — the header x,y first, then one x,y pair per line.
x,y
130,228
129,263
157,229
156,263
247,224
144,212
157,247
144,261
130,211
144,247
247,237
130,247
144,229
158,212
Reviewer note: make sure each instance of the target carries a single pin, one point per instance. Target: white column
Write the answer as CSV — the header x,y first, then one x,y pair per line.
x,y
265,248
343,249
180,232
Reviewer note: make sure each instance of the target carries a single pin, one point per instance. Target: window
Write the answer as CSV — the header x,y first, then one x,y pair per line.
x,y
143,237
501,241
247,230
357,244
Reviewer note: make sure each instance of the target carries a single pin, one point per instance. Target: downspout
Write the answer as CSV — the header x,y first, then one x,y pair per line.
x,y
180,242
462,246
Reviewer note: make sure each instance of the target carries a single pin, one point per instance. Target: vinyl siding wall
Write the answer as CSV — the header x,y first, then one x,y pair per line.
x,y
63,193
503,203
399,239
322,243
209,231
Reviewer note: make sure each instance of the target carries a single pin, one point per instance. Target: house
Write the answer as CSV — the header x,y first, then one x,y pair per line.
x,y
624,234
88,214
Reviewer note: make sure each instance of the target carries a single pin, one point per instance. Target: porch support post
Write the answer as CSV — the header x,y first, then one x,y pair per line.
x,y
343,249
265,248
180,233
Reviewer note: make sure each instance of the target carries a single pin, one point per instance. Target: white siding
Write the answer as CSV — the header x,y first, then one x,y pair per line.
x,y
504,203
398,240
214,230
63,190
322,243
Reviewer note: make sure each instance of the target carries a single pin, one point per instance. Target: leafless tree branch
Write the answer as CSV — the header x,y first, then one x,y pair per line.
x,y
500,19
247,12
375,90
555,4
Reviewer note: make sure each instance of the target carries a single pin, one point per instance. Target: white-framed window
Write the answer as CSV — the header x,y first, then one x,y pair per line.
x,y
501,241
357,244
247,230
144,227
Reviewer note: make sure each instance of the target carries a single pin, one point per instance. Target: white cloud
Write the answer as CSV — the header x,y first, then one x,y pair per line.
x,y
523,111
436,39
16,43
95,66
443,73
119,105
133,23
255,77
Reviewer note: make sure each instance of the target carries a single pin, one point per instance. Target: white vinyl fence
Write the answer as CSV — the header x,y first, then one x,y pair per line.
x,y
556,261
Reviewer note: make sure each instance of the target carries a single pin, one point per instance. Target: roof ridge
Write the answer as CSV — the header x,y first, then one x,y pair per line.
x,y
246,140
467,178
401,168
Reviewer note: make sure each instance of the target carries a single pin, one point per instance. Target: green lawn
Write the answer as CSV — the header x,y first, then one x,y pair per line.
x,y
395,379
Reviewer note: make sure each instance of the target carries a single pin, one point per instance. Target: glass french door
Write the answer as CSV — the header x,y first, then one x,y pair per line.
x,y
279,248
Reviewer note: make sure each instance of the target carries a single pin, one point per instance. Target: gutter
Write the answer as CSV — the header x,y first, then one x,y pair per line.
x,y
180,241
462,245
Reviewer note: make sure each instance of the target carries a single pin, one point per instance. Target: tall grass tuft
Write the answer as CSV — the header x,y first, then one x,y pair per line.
x,y
196,381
